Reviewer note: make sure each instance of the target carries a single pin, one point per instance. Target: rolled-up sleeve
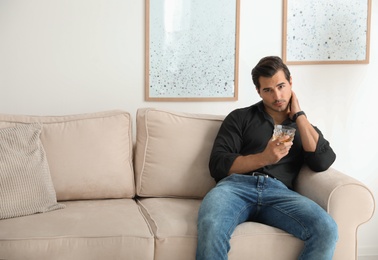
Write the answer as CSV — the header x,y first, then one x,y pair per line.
x,y
322,158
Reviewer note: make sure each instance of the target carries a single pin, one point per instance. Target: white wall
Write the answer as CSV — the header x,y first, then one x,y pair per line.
x,y
63,57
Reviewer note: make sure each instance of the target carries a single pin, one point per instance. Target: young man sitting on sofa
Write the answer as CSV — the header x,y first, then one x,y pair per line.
x,y
255,173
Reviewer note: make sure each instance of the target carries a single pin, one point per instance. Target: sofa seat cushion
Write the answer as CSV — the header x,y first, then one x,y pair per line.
x,y
93,229
89,155
174,223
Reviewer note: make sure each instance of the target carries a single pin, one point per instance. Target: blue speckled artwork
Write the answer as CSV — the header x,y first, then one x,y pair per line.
x,y
192,48
327,30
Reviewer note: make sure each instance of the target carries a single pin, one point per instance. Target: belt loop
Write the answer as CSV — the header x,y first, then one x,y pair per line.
x,y
260,174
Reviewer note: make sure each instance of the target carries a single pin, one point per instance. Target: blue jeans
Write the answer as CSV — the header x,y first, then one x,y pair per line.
x,y
240,198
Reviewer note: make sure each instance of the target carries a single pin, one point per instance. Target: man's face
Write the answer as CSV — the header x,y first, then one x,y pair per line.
x,y
275,92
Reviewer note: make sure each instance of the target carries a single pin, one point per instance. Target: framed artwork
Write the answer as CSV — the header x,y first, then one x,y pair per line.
x,y
326,31
192,50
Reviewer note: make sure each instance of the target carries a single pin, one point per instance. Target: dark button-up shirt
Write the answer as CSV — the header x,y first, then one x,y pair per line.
x,y
248,130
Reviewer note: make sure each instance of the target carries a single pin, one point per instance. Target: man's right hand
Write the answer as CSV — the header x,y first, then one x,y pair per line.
x,y
273,153
276,150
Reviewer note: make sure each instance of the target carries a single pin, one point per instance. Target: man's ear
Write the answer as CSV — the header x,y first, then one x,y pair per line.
x,y
291,81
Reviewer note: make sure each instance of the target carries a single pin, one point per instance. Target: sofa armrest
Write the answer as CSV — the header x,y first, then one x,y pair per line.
x,y
347,200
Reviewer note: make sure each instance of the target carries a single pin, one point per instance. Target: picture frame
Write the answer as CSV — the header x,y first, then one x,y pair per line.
x,y
192,50
326,32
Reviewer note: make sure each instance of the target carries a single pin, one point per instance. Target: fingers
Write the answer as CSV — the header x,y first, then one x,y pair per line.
x,y
283,147
277,149
294,106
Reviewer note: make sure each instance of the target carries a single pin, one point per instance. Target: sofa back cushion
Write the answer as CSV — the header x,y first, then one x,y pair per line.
x,y
172,153
89,155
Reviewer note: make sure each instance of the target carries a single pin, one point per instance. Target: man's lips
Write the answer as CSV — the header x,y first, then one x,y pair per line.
x,y
279,103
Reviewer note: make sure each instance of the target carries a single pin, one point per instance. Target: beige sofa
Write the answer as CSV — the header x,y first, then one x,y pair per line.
x,y
138,199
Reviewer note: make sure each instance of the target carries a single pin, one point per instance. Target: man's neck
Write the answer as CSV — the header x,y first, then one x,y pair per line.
x,y
278,116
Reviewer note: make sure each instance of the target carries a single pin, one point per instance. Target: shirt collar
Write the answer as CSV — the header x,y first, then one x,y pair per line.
x,y
261,108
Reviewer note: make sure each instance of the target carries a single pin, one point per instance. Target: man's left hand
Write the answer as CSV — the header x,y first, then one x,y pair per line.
x,y
294,105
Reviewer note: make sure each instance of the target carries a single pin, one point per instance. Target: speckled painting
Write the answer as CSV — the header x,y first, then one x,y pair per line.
x,y
326,31
192,50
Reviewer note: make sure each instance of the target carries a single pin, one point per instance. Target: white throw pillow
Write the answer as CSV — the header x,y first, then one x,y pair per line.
x,y
25,182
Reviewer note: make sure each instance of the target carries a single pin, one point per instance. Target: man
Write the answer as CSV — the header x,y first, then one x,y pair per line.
x,y
255,173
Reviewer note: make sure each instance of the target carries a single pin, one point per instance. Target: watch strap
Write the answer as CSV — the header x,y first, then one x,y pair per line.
x,y
296,115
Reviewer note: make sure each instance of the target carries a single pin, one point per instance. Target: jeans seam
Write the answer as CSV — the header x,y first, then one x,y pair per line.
x,y
236,222
297,220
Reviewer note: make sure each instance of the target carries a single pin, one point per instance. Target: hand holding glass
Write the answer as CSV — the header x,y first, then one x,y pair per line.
x,y
282,131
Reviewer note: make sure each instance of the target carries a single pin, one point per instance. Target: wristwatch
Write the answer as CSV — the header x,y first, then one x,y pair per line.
x,y
296,115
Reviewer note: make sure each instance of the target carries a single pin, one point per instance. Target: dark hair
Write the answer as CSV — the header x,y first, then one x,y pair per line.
x,y
267,67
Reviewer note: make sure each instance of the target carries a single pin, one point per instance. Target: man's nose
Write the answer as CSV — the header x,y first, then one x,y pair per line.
x,y
276,94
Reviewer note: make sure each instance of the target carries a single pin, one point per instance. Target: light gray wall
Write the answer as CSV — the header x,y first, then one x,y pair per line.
x,y
68,56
